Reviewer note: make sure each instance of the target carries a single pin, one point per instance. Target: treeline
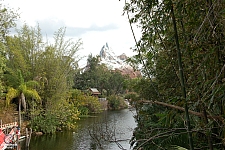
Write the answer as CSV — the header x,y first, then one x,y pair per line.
x,y
43,81
180,102
111,83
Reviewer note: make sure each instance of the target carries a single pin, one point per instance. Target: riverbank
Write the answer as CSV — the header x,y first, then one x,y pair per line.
x,y
120,121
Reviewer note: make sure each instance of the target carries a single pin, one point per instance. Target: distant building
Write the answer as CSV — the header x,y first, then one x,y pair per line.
x,y
94,92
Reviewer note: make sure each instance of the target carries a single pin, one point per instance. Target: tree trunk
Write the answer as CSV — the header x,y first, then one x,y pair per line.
x,y
19,113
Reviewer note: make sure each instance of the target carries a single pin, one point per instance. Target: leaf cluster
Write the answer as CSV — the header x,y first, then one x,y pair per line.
x,y
200,30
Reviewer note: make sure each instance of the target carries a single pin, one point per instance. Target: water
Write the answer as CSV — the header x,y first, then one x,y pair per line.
x,y
105,128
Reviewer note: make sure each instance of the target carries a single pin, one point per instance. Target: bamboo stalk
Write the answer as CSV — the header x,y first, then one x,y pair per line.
x,y
182,78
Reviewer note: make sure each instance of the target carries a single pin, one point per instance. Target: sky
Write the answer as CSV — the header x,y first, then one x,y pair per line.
x,y
95,22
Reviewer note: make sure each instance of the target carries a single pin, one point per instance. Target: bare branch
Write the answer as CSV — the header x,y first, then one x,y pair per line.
x,y
182,109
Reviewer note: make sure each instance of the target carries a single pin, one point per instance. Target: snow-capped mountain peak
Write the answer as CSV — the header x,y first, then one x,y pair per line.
x,y
108,57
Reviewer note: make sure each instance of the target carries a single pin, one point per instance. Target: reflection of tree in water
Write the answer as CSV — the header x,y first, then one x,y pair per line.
x,y
105,132
93,145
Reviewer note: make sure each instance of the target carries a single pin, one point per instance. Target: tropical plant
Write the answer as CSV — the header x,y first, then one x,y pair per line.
x,y
21,91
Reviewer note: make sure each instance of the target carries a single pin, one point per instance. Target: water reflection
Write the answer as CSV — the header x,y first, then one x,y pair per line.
x,y
121,123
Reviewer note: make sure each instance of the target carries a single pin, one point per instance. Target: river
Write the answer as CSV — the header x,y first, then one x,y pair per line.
x,y
106,129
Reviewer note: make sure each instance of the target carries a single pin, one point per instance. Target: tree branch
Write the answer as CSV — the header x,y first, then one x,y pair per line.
x,y
182,109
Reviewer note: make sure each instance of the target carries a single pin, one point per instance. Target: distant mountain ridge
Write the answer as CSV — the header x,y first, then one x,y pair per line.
x,y
113,62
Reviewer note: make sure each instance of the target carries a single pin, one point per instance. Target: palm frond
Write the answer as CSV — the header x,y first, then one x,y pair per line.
x,y
32,94
12,93
22,88
32,84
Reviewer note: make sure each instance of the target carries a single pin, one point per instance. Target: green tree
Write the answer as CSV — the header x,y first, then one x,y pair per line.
x,y
29,45
21,91
7,21
51,65
100,76
167,26
116,102
57,64
85,103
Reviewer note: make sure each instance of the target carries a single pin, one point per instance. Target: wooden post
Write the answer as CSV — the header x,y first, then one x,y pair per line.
x,y
18,137
27,137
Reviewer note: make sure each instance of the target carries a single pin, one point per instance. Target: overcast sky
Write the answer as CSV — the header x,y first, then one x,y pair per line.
x,y
95,22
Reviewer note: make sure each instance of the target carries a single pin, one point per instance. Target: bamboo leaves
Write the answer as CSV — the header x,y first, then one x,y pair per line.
x,y
190,33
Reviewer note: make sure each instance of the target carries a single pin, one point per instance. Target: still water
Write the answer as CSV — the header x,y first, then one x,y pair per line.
x,y
101,130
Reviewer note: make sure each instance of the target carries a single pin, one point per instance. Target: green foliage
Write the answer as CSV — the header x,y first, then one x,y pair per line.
x,y
97,75
161,126
53,66
2,66
84,111
42,72
116,102
93,104
202,49
57,64
12,93
7,20
85,104
67,114
46,122
64,115
26,88
132,97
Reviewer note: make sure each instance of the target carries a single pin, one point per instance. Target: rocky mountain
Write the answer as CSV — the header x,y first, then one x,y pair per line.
x,y
117,63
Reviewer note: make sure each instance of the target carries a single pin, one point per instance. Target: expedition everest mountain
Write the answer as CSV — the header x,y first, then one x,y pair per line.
x,y
108,57
113,62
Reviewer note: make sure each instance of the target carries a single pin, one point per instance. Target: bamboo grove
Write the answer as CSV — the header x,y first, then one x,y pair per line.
x,y
182,56
37,77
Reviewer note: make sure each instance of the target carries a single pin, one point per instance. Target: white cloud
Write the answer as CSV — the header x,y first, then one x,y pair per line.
x,y
94,21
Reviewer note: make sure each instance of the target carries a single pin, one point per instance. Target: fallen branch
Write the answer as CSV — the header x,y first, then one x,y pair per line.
x,y
182,109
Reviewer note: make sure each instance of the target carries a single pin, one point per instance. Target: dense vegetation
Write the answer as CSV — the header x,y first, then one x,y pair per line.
x,y
43,81
182,56
179,101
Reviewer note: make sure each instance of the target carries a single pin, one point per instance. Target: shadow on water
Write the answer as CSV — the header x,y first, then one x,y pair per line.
x,y
122,122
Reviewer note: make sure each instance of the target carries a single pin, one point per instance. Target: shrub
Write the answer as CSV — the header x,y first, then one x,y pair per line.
x,y
116,102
